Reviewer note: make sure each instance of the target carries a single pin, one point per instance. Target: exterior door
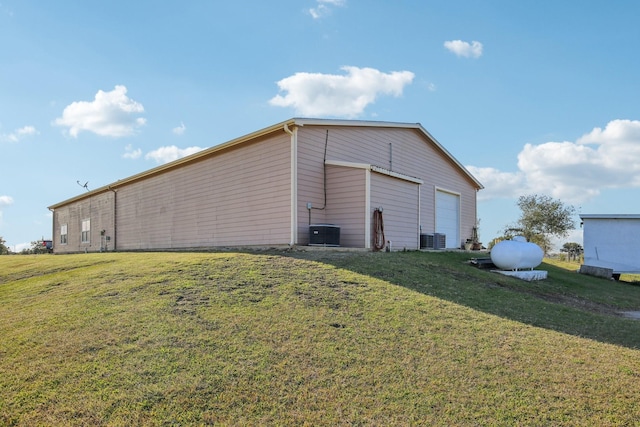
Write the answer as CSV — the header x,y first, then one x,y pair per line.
x,y
448,217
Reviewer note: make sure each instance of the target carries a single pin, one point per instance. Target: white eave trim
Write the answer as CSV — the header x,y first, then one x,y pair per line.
x,y
376,169
609,216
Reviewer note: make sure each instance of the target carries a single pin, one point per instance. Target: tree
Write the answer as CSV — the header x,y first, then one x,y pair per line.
x,y
572,249
37,247
4,250
542,217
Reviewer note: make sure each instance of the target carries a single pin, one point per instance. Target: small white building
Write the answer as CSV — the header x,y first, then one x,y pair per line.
x,y
612,242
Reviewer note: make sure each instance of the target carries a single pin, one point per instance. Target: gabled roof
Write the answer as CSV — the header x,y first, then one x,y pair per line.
x,y
266,131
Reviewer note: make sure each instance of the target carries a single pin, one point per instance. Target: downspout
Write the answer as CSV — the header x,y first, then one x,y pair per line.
x,y
324,179
294,184
115,218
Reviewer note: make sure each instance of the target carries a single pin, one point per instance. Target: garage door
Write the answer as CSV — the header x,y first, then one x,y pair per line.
x,y
448,217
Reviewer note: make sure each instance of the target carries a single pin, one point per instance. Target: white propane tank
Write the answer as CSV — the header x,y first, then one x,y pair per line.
x,y
516,254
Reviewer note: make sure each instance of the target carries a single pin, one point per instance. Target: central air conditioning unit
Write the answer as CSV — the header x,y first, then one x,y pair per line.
x,y
433,241
324,235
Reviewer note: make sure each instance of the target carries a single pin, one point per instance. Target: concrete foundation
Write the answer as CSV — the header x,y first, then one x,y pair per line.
x,y
591,270
528,275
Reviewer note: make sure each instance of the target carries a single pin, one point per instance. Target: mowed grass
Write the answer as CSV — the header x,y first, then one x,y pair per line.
x,y
310,338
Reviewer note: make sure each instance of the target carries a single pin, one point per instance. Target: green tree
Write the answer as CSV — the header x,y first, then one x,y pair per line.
x,y
4,250
573,250
542,217
37,247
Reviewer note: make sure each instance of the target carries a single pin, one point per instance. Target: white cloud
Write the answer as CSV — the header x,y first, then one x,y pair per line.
x,y
6,201
315,94
465,49
496,183
323,7
19,134
131,153
618,145
180,129
20,247
572,171
109,114
170,153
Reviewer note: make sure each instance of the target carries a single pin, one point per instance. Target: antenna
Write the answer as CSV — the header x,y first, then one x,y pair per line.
x,y
84,185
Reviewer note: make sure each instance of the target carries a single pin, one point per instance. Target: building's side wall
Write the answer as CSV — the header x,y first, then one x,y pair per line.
x,y
99,210
240,196
613,241
399,202
346,191
409,153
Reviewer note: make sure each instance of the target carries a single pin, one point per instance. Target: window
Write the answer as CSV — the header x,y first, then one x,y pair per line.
x,y
86,231
63,234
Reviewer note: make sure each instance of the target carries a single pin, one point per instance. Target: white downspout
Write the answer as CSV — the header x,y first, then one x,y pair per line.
x,y
294,183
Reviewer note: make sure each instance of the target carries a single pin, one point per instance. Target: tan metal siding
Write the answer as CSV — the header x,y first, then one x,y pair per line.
x,y
238,197
411,154
346,189
310,180
399,200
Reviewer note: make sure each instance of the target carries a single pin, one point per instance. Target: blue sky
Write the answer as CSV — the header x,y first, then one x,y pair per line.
x,y
532,96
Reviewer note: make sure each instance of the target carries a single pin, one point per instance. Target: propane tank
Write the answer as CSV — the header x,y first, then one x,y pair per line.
x,y
516,254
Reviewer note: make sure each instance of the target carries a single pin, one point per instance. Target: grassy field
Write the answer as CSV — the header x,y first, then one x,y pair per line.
x,y
311,338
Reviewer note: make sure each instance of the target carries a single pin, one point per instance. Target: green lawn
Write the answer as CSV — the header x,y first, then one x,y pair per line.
x,y
310,338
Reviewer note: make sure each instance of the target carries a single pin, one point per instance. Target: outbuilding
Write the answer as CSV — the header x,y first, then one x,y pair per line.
x,y
360,184
611,244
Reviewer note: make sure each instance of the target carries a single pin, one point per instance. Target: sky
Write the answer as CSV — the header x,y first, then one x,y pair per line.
x,y
533,97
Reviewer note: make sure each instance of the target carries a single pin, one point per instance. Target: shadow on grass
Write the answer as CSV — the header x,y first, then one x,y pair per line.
x,y
566,302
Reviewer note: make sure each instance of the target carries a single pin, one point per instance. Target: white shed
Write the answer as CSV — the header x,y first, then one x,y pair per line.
x,y
612,242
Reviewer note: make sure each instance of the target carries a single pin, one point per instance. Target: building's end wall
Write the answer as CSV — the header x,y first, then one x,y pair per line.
x,y
611,241
99,211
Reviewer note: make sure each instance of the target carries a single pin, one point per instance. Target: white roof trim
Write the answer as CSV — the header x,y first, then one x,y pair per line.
x,y
376,169
609,216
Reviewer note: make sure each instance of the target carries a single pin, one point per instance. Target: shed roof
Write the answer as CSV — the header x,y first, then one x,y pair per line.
x,y
293,122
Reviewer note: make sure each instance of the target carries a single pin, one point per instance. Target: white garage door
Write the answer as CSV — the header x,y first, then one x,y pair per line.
x,y
448,217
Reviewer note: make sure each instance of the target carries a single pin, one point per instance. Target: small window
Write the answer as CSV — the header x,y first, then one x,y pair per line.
x,y
63,234
86,231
